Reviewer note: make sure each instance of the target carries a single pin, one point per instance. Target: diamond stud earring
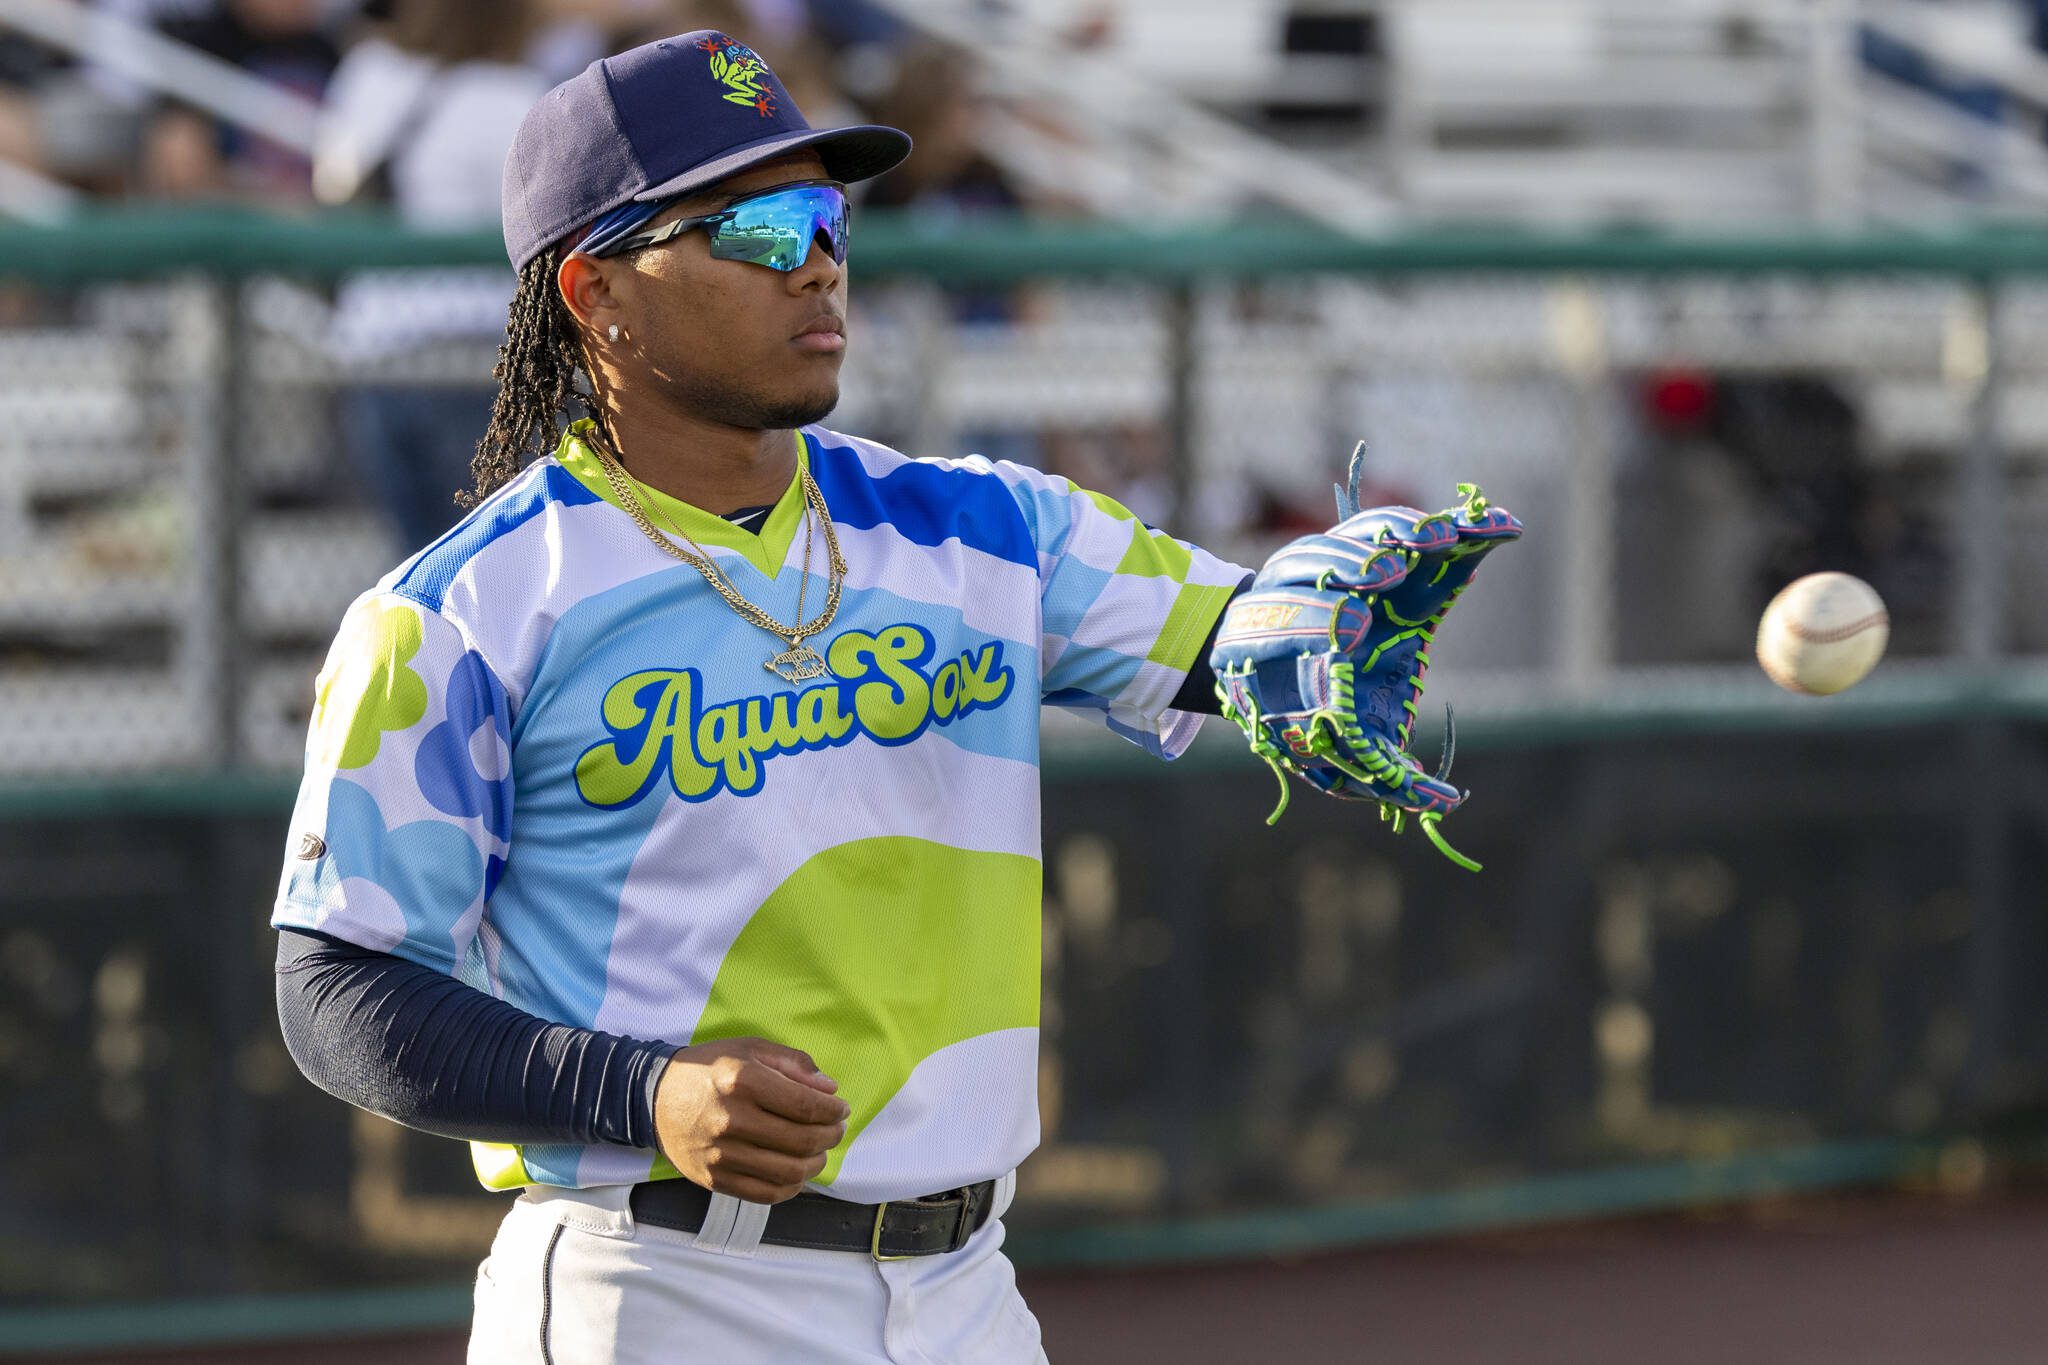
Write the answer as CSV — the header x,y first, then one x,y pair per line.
x,y
613,331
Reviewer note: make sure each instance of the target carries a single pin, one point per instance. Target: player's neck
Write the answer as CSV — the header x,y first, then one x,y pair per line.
x,y
706,464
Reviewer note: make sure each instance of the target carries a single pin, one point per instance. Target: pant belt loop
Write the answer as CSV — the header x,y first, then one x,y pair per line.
x,y
720,1215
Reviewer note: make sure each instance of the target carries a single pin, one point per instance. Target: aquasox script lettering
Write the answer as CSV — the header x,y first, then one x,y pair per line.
x,y
884,687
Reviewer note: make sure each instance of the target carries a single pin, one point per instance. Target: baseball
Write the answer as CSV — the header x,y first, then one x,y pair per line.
x,y
1822,633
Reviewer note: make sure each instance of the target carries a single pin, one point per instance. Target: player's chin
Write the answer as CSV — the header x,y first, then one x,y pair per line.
x,y
800,405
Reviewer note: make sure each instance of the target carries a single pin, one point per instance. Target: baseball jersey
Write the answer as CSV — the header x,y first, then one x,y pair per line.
x,y
546,757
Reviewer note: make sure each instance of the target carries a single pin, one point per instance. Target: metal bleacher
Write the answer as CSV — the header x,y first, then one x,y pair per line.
x,y
1683,112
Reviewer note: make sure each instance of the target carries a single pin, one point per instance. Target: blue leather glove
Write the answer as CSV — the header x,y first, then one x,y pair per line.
x,y
1321,661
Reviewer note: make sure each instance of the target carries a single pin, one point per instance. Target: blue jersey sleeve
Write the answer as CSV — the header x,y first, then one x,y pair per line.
x,y
404,815
1125,610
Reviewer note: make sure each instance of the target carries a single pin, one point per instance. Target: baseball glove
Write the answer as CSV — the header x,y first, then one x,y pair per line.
x,y
1321,661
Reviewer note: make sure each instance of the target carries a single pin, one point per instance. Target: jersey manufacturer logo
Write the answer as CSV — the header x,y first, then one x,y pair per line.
x,y
884,686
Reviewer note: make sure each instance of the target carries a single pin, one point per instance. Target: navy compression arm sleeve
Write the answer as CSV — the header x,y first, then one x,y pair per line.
x,y
430,1052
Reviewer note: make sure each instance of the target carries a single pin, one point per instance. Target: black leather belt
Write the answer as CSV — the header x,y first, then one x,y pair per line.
x,y
894,1231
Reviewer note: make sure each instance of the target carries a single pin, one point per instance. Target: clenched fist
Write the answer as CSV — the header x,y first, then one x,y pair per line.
x,y
747,1117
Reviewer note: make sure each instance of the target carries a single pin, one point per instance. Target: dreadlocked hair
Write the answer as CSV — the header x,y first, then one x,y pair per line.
x,y
536,374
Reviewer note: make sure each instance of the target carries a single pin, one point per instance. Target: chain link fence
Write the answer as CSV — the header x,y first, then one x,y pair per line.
x,y
214,438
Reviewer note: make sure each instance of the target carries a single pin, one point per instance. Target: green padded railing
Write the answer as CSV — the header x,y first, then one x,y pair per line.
x,y
151,240
2016,693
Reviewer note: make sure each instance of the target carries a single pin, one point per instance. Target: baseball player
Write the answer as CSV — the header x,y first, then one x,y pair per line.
x,y
670,828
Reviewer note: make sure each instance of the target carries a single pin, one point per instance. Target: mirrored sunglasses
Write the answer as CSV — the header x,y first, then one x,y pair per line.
x,y
774,228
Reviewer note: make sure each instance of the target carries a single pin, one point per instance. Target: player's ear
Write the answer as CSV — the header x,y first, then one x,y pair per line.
x,y
586,289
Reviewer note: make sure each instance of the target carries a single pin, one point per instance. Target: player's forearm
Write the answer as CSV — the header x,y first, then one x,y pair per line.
x,y
426,1050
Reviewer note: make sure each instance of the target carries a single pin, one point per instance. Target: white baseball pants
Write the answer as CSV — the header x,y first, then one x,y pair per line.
x,y
572,1281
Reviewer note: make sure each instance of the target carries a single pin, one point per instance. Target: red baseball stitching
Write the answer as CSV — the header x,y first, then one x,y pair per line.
x,y
1839,633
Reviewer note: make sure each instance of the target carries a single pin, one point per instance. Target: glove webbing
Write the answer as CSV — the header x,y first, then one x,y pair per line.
x,y
1342,720
1322,743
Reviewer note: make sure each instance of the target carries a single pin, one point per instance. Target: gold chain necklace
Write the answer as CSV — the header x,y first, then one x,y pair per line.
x,y
799,662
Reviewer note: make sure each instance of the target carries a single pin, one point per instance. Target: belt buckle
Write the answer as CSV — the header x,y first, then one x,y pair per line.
x,y
875,1241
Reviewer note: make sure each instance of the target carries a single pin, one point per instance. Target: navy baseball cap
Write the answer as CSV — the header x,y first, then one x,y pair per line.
x,y
653,124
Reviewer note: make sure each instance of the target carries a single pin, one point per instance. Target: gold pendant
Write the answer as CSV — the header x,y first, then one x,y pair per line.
x,y
798,663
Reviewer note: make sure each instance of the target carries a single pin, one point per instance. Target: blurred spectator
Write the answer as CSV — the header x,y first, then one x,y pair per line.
x,y
934,95
936,100
571,34
187,152
23,67
947,180
420,115
1768,473
1799,438
55,122
846,23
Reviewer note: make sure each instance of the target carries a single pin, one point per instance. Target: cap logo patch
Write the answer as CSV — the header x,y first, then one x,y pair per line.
x,y
740,68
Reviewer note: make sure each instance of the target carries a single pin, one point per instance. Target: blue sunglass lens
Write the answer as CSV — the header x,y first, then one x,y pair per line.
x,y
776,230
